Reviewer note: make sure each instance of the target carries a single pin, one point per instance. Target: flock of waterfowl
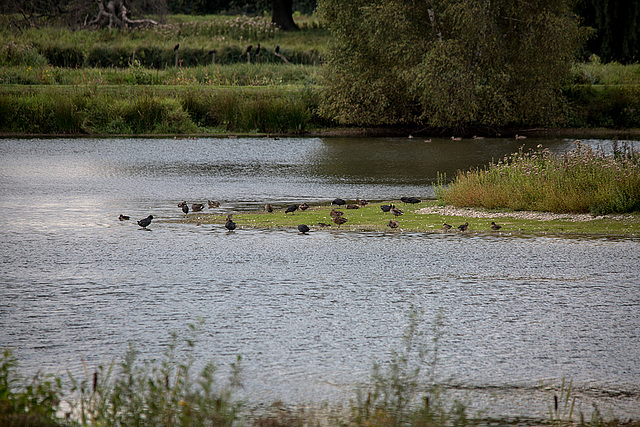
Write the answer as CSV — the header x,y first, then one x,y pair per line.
x,y
337,216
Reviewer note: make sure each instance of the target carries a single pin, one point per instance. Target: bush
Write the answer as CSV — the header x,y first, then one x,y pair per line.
x,y
604,106
15,53
580,181
33,403
64,56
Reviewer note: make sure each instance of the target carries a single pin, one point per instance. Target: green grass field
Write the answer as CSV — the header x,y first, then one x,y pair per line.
x,y
372,218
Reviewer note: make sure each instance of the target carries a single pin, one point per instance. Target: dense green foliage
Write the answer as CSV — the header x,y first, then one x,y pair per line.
x,y
617,29
154,47
582,180
140,110
449,63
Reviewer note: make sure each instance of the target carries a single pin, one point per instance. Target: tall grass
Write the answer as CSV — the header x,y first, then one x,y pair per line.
x,y
178,110
404,392
170,392
154,47
220,75
581,180
595,73
164,393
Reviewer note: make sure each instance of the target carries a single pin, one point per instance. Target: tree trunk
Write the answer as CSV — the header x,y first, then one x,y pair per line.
x,y
283,15
115,14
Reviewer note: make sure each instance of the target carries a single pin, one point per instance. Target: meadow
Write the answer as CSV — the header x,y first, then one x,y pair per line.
x,y
117,80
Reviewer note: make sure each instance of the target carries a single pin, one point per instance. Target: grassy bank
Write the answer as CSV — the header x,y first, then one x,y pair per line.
x,y
580,181
169,110
35,62
427,217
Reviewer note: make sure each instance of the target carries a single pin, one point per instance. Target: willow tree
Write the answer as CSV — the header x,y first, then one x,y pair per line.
x,y
448,63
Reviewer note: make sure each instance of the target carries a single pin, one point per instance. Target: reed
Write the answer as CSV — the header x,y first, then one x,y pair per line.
x,y
207,75
170,392
145,110
404,392
582,180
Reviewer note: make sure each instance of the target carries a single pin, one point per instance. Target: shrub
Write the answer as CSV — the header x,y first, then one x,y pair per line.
x,y
16,53
582,180
33,403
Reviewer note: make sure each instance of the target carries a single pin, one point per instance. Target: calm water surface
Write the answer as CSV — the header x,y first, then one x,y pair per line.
x,y
309,314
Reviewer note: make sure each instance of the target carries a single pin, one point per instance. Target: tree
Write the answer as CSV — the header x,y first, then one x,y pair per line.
x,y
282,15
617,25
446,63
281,10
76,13
116,14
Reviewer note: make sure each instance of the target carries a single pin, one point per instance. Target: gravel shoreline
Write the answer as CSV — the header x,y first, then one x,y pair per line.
x,y
542,216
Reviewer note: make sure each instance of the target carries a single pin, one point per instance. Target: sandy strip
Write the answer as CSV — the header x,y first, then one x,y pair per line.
x,y
543,216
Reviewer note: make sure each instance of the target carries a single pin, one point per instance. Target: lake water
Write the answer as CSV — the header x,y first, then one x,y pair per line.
x,y
309,314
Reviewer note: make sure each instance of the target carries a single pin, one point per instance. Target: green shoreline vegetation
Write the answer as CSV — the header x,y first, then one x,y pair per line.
x,y
168,391
372,218
126,82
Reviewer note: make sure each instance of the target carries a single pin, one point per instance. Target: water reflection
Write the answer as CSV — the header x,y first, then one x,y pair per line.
x,y
311,313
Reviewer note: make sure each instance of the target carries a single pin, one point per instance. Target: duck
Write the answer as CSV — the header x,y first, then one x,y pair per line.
x,y
362,202
303,207
339,220
495,226
413,200
387,208
339,202
213,204
185,208
197,207
144,223
334,213
124,217
303,228
463,227
396,212
268,207
353,206
446,227
230,225
323,224
393,224
521,137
